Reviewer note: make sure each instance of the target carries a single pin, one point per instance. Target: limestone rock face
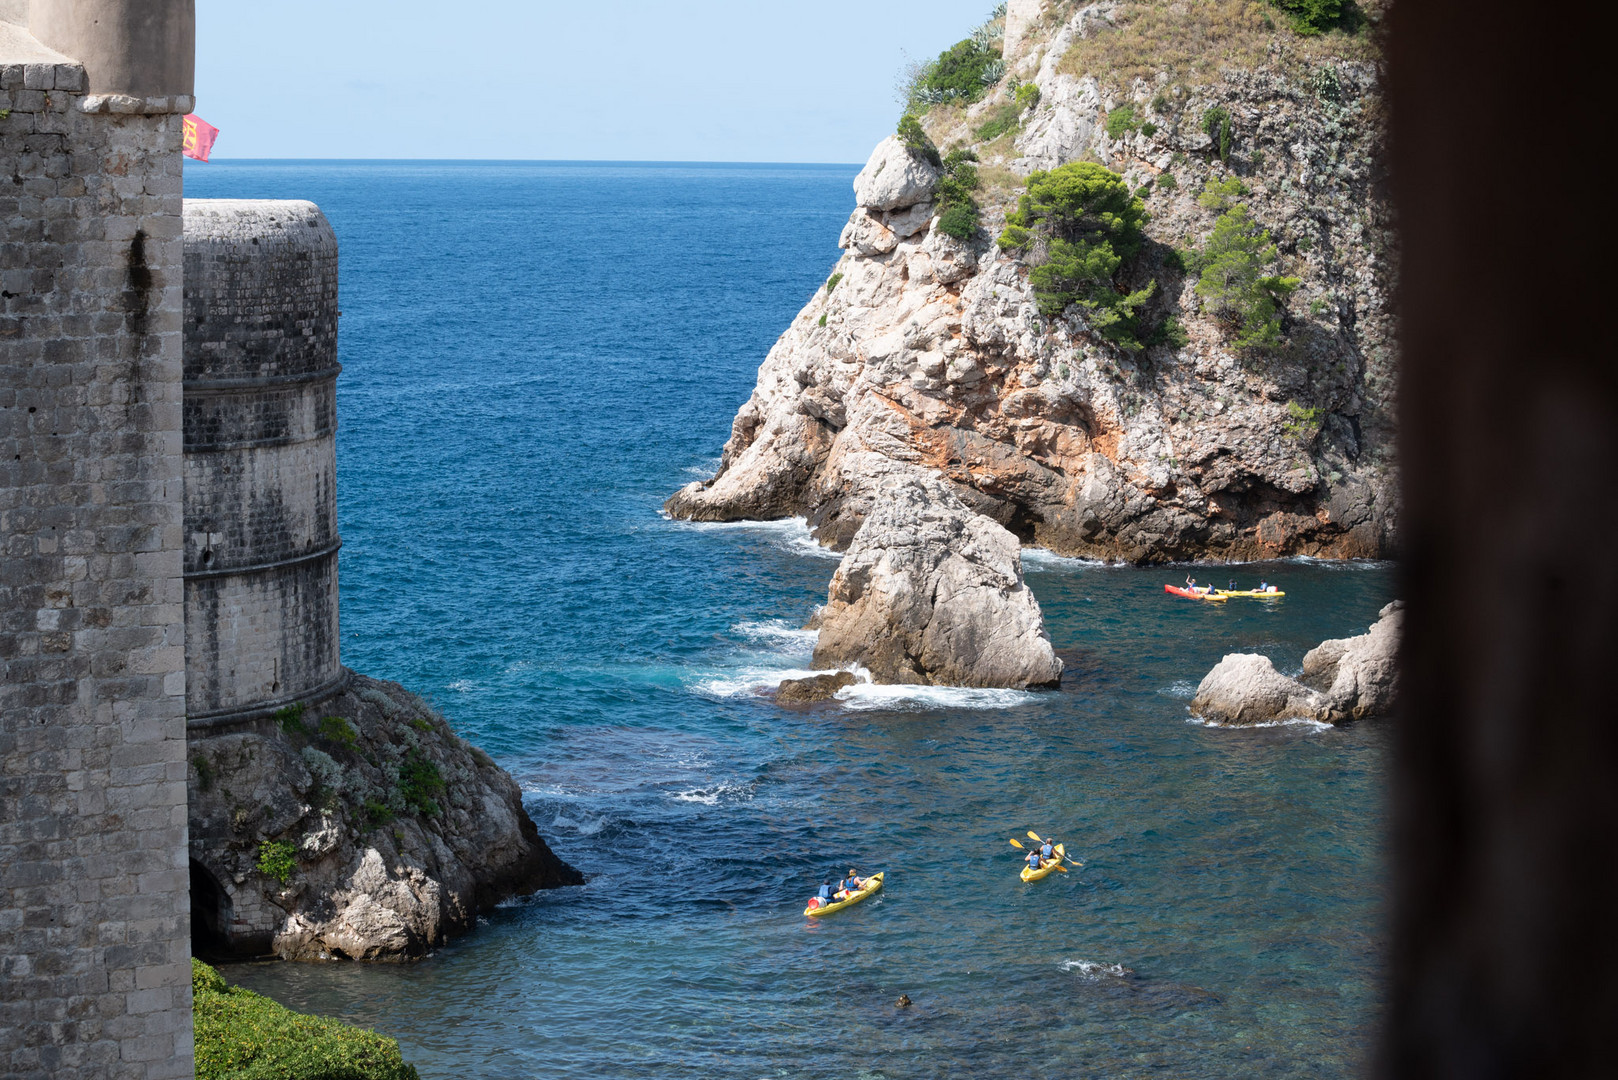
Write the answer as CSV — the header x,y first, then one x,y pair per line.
x,y
931,592
894,178
1343,679
933,352
398,831
1245,688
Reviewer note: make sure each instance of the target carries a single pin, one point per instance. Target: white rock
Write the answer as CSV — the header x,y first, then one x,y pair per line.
x,y
1245,688
895,178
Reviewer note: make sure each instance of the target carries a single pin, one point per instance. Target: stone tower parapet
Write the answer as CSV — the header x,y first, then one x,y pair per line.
x,y
95,975
260,458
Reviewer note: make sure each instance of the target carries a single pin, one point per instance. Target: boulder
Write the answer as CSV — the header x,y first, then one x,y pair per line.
x,y
359,828
931,592
1359,675
1343,679
1245,688
895,178
815,688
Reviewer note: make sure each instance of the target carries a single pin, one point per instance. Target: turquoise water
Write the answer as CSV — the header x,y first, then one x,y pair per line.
x,y
535,356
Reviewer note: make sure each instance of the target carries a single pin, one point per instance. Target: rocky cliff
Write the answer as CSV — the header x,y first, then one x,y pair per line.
x,y
365,829
929,354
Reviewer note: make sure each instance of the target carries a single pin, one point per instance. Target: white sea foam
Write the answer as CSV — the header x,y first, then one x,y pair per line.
x,y
866,694
780,633
1295,721
1094,971
712,794
744,682
563,823
462,686
788,534
1037,558
1180,688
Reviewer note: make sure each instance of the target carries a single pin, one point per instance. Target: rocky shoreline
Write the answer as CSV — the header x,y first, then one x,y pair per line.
x,y
925,365
358,827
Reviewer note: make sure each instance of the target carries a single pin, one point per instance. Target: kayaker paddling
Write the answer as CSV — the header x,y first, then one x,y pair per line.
x,y
1034,860
849,885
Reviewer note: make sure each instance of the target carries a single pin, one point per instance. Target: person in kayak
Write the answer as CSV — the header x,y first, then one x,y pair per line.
x,y
825,893
1047,850
851,884
1034,859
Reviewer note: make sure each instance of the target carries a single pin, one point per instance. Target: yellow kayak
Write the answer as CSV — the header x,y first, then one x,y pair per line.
x,y
1046,867
1252,594
871,885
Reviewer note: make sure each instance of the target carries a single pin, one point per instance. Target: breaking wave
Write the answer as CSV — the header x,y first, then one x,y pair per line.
x,y
1094,971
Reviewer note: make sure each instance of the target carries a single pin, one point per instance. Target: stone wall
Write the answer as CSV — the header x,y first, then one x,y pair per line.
x,y
260,456
94,931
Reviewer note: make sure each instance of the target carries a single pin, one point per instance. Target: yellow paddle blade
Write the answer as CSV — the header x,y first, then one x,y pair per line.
x,y
1062,868
1034,836
1016,845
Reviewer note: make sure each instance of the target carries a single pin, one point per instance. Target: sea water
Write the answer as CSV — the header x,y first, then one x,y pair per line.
x,y
535,355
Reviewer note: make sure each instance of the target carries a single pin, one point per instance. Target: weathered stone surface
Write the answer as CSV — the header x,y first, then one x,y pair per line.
x,y
94,943
895,178
815,688
1245,688
1343,679
1359,675
931,592
403,832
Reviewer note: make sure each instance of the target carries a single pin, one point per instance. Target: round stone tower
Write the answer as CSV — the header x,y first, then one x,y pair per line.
x,y
260,422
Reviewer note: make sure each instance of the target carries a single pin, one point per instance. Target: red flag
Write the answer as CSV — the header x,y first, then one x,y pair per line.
x,y
198,138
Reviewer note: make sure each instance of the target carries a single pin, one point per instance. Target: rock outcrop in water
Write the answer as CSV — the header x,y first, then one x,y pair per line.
x,y
928,354
366,830
1343,679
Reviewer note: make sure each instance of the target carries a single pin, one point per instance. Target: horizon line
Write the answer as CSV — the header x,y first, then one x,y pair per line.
x,y
516,161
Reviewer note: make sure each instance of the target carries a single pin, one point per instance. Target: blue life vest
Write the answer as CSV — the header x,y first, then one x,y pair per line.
x,y
1033,860
1047,852
825,893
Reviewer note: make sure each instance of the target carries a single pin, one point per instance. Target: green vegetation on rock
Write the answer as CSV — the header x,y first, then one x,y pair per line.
x,y
955,195
419,781
962,73
831,282
1233,282
1121,121
335,729
241,1035
1216,123
290,718
916,140
277,859
1079,225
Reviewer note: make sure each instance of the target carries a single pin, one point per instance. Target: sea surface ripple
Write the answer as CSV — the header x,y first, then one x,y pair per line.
x,y
535,355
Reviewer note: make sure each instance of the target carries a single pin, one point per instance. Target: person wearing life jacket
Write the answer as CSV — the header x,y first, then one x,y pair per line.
x,y
1033,859
824,896
1263,586
851,884
1047,850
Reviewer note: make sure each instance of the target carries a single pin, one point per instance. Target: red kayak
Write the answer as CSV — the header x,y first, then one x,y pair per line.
x,y
1192,594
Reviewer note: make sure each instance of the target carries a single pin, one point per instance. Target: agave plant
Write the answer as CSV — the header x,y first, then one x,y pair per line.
x,y
999,12
994,72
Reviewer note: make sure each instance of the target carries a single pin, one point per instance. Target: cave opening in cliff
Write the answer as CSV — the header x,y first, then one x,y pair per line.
x,y
210,916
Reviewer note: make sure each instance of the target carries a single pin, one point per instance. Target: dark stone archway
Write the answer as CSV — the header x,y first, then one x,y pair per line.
x,y
210,916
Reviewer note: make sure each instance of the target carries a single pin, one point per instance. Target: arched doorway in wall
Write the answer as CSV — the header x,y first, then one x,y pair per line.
x,y
210,915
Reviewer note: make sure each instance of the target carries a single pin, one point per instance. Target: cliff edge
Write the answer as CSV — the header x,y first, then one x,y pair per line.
x,y
1223,390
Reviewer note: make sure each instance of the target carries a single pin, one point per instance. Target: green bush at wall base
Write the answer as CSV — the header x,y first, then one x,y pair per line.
x,y
241,1035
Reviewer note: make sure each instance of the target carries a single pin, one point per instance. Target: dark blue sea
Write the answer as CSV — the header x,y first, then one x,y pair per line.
x,y
535,355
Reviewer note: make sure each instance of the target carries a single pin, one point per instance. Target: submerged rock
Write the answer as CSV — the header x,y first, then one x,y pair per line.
x,y
815,688
1343,679
365,829
931,592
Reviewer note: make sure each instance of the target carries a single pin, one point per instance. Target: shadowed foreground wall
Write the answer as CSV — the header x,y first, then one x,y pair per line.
x,y
94,936
1505,953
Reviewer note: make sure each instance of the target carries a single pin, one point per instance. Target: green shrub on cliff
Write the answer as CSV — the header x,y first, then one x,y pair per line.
x,y
955,195
1078,226
419,781
241,1035
916,140
1234,284
278,859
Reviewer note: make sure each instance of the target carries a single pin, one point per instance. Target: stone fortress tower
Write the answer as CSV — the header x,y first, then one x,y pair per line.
x,y
260,459
95,975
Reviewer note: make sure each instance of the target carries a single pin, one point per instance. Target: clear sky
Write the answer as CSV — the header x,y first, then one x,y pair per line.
x,y
627,80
